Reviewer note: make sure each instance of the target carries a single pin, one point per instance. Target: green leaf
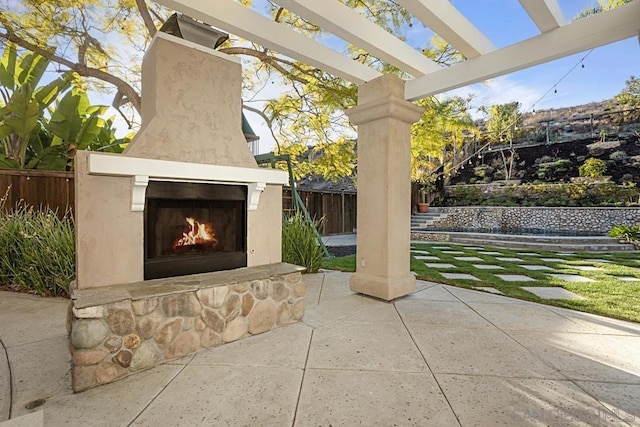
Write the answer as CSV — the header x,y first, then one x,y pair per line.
x,y
8,67
56,140
51,158
24,112
8,163
33,67
89,132
66,120
5,130
45,95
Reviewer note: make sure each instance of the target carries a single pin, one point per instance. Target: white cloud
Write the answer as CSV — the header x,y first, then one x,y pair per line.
x,y
500,90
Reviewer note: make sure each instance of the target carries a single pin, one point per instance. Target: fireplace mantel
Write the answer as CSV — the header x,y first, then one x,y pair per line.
x,y
142,170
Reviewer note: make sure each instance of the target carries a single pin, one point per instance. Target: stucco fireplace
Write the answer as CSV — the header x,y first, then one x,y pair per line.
x,y
178,239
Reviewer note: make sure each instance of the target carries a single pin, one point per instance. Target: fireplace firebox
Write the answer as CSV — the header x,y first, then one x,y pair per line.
x,y
194,228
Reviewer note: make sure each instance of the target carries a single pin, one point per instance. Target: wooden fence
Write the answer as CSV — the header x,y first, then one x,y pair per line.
x,y
38,188
56,190
338,209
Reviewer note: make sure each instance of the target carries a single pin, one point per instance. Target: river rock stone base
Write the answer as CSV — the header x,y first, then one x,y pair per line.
x,y
118,330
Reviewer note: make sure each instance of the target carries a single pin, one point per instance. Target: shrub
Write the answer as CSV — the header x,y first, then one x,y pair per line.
x,y
37,250
593,168
630,233
618,156
627,178
300,244
541,194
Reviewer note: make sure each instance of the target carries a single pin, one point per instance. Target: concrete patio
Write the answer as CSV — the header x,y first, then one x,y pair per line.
x,y
441,356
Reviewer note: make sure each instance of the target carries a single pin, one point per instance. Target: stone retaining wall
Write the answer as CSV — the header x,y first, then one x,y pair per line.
x,y
116,331
593,220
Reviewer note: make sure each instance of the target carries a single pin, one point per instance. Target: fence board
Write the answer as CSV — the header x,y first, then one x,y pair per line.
x,y
337,209
38,188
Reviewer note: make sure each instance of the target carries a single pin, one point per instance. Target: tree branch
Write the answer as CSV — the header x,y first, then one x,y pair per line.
x,y
146,17
124,87
267,59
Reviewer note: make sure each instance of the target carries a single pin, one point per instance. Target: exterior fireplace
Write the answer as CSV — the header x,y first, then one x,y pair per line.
x,y
185,197
194,228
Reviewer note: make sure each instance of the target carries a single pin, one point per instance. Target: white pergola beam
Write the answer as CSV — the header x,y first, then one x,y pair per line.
x,y
240,20
446,21
546,14
604,28
349,25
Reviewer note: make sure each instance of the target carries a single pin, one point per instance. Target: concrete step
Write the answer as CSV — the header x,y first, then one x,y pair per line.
x,y
422,220
529,237
551,243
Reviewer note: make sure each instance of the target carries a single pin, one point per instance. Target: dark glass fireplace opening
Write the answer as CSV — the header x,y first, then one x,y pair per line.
x,y
194,228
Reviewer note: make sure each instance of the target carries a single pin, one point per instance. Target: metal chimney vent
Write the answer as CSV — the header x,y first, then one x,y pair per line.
x,y
188,28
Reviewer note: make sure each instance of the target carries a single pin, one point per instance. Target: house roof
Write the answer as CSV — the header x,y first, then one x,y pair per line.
x,y
249,134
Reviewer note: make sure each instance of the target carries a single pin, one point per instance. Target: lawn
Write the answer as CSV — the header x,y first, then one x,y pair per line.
x,y
605,292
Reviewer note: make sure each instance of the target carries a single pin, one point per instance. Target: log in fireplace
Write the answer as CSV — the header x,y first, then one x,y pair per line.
x,y
194,228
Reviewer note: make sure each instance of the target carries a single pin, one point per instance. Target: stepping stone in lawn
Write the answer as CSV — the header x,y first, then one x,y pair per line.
x,y
426,257
439,265
565,253
552,293
487,267
509,259
459,276
515,278
536,267
527,254
627,278
570,277
467,258
473,248
598,260
414,273
453,252
553,259
490,253
440,247
488,289
586,268
414,251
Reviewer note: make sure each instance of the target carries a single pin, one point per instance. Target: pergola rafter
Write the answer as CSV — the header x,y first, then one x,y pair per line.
x,y
446,21
557,39
346,23
605,28
546,14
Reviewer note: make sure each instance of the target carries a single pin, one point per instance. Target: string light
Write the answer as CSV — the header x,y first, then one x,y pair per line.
x,y
554,87
532,108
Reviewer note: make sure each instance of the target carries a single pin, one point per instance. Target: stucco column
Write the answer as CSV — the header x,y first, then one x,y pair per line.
x,y
384,121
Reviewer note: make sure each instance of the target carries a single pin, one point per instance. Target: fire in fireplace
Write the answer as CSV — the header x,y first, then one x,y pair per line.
x,y
194,228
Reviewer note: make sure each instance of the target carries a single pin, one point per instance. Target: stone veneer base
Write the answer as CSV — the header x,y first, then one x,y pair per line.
x,y
118,330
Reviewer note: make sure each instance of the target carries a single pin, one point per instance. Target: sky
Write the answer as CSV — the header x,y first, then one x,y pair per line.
x,y
505,22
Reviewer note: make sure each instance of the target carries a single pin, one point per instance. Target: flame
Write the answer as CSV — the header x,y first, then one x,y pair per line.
x,y
197,234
